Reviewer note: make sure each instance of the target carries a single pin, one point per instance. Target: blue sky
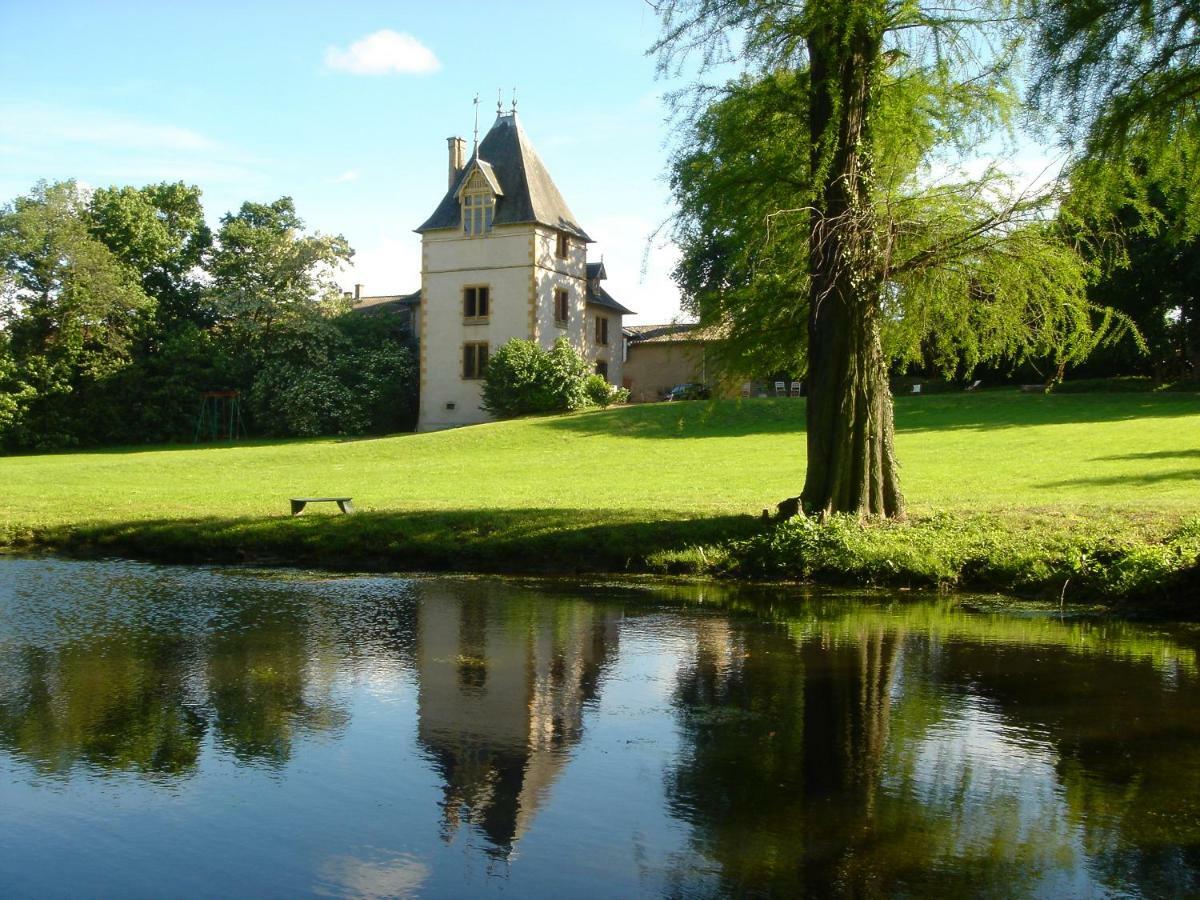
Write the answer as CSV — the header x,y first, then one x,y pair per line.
x,y
252,101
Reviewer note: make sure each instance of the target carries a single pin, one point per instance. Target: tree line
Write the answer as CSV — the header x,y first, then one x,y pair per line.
x,y
120,306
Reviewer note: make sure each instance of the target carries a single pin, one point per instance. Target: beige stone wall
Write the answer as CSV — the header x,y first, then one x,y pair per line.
x,y
451,261
652,369
522,270
552,273
611,353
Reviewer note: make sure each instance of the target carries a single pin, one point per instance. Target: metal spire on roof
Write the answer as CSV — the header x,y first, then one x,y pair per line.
x,y
499,104
475,149
514,102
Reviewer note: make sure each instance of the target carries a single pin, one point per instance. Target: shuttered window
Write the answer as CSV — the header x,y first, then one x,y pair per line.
x,y
601,330
561,308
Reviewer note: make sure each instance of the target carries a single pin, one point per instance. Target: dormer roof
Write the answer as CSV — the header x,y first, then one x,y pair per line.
x,y
486,172
526,191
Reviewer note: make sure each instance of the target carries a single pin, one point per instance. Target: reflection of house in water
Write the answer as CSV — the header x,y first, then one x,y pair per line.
x,y
503,684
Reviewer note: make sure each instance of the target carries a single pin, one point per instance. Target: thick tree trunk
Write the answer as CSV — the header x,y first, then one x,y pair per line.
x,y
851,461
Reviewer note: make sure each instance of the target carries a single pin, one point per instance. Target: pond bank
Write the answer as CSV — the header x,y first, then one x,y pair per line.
x,y
1121,562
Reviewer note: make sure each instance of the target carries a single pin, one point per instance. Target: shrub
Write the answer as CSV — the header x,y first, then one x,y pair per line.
x,y
601,393
287,399
523,378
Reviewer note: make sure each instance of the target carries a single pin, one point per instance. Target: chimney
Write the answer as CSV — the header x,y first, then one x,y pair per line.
x,y
357,292
458,152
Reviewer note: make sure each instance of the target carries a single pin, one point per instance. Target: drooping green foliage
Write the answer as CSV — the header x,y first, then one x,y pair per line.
x,y
1146,264
820,227
973,271
1125,76
522,378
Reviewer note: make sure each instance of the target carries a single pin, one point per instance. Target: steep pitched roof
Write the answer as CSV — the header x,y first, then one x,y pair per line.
x,y
529,193
598,296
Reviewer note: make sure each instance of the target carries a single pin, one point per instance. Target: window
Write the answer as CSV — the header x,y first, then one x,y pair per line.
x,y
601,331
602,368
478,209
561,309
475,357
475,302
563,247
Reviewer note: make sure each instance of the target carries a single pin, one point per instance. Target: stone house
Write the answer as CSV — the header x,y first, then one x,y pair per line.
x,y
502,257
659,357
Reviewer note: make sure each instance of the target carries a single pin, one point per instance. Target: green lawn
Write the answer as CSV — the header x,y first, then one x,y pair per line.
x,y
636,479
991,450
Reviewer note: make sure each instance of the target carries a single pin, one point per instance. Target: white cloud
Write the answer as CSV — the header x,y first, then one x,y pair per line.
x,y
348,175
383,52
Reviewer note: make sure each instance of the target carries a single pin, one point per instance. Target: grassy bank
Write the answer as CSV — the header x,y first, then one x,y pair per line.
x,y
1007,490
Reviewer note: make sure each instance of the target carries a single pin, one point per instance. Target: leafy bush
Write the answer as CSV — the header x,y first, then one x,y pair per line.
x,y
523,378
287,399
601,393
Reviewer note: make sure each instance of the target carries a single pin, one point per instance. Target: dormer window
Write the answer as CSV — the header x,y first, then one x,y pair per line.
x,y
478,198
478,210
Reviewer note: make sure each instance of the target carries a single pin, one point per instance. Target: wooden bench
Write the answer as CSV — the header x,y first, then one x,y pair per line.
x,y
344,504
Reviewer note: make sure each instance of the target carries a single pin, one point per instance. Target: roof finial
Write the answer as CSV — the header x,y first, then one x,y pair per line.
x,y
475,149
499,105
514,103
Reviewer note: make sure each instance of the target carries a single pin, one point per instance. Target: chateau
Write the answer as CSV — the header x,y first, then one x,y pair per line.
x,y
502,257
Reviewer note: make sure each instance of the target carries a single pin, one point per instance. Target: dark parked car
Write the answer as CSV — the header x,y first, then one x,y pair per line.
x,y
687,392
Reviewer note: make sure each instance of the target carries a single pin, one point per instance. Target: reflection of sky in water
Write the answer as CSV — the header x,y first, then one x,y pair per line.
x,y
170,731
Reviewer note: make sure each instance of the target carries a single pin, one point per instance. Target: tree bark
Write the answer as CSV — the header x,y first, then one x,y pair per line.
x,y
851,460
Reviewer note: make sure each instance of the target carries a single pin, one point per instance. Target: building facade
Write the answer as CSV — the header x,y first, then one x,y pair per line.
x,y
503,257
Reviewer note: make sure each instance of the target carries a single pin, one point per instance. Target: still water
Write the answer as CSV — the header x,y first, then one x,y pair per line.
x,y
203,732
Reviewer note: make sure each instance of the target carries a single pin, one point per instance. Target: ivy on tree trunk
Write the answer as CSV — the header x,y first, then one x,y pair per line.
x,y
851,459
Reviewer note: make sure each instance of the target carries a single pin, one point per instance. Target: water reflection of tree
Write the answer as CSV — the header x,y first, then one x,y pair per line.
x,y
1125,738
503,682
120,702
141,694
783,758
258,674
843,752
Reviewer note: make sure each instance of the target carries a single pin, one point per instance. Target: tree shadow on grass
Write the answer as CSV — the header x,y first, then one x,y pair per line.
x,y
565,541
1146,478
1155,454
985,411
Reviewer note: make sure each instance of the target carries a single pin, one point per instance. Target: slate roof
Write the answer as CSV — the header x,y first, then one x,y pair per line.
x,y
386,303
598,296
675,332
529,193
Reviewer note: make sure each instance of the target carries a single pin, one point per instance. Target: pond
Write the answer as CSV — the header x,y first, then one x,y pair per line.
x,y
170,731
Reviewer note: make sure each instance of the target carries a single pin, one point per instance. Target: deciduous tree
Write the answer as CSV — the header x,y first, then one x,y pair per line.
x,y
807,194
